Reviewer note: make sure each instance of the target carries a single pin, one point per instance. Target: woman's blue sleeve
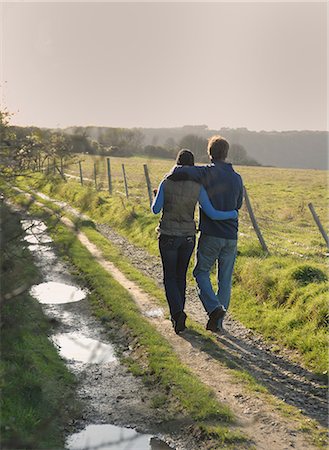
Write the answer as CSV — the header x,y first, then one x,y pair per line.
x,y
211,212
157,204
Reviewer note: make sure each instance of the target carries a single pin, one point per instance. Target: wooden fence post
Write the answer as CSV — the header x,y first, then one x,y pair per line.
x,y
62,168
54,166
80,170
253,221
148,182
125,180
319,224
95,175
109,175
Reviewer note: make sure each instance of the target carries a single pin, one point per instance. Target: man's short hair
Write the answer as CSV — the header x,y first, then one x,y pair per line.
x,y
218,148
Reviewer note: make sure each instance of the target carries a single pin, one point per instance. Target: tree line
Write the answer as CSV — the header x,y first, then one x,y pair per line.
x,y
33,146
295,148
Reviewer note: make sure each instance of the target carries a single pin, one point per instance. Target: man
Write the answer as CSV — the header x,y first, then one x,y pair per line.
x,y
218,239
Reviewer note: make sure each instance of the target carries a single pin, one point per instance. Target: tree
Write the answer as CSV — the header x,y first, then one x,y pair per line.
x,y
238,155
33,148
7,157
171,145
197,144
156,151
60,145
14,152
81,144
124,138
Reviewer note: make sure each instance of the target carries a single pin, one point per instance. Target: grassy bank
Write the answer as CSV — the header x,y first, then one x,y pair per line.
x,y
37,389
209,344
287,301
282,297
279,198
182,391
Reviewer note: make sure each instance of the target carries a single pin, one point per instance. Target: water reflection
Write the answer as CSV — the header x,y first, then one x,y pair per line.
x,y
75,346
38,240
35,232
54,292
43,250
110,437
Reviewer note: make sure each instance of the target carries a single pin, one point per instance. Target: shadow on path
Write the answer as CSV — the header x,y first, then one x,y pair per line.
x,y
284,379
237,349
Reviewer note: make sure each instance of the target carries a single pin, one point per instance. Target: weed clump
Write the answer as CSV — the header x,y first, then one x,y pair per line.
x,y
255,276
305,274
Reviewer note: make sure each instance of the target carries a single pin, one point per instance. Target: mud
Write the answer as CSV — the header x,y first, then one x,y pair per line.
x,y
256,417
274,367
110,394
111,437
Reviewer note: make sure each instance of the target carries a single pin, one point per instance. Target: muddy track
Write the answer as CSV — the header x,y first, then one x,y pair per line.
x,y
255,417
285,379
107,394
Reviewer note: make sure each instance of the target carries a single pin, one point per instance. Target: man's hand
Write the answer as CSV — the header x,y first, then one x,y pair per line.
x,y
178,175
155,191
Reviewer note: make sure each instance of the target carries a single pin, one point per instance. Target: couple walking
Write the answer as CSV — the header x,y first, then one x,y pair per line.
x,y
219,190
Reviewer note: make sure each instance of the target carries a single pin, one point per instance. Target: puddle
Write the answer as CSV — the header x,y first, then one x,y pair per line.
x,y
33,238
77,347
42,248
63,317
110,437
35,232
99,371
38,240
54,292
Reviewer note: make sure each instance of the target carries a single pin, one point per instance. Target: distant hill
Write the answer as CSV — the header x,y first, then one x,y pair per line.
x,y
292,149
295,149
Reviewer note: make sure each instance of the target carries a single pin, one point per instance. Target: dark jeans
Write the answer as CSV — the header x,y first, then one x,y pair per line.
x,y
176,252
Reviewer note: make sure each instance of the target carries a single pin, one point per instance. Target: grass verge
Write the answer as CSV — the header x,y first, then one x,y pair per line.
x,y
193,399
302,275
283,298
37,398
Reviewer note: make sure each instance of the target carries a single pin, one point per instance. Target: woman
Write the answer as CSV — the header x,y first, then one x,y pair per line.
x,y
177,232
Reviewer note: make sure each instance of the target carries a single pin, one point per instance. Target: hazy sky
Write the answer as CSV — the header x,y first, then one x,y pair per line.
x,y
260,65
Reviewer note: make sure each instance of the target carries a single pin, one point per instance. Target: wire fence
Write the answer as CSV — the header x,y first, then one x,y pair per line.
x,y
292,224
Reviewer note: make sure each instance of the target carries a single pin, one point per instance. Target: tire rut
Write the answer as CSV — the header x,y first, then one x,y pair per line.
x,y
284,378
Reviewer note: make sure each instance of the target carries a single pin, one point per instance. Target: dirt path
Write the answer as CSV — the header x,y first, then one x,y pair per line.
x,y
275,370
285,379
108,391
265,427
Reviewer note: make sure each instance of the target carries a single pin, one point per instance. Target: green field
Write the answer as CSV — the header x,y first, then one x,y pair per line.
x,y
284,295
279,198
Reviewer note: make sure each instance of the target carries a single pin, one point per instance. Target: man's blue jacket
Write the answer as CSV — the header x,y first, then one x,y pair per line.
x,y
225,191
